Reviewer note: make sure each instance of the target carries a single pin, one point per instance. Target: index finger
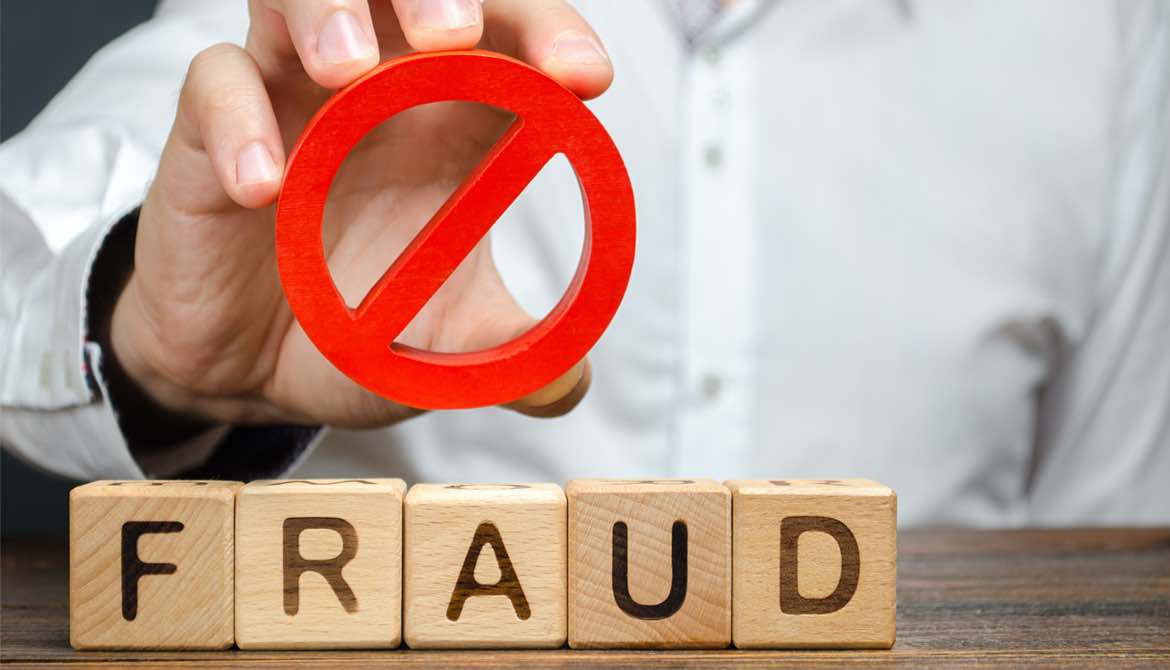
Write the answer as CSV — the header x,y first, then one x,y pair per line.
x,y
333,40
438,25
552,36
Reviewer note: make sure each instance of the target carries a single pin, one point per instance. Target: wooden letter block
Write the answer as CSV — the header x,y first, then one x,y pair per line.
x,y
151,564
649,564
485,566
814,563
319,564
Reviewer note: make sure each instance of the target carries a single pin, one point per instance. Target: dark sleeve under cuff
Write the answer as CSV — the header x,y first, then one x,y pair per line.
x,y
255,452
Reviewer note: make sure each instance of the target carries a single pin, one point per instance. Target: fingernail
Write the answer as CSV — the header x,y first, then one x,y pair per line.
x,y
342,39
446,14
255,165
579,49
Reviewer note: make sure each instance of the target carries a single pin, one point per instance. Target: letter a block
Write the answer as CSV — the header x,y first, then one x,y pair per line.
x,y
649,564
485,566
814,563
151,564
319,564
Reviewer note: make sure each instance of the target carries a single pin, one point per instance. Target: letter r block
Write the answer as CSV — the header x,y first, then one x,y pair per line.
x,y
485,566
319,564
649,564
151,564
814,563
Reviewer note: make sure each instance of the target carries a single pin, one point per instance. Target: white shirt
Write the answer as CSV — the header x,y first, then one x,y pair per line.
x,y
924,243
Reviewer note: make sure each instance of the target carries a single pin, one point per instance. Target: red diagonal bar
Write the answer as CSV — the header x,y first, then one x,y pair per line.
x,y
453,231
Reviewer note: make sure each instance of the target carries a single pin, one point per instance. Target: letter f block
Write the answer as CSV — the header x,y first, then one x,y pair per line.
x,y
319,564
649,564
814,563
151,564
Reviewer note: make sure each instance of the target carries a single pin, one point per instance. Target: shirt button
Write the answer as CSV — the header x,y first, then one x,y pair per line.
x,y
711,55
710,386
713,156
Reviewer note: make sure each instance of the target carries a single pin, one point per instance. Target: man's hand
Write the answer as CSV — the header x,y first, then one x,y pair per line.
x,y
202,325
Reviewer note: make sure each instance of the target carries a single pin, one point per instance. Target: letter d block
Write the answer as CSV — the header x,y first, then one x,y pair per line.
x,y
319,564
814,563
485,566
151,564
649,564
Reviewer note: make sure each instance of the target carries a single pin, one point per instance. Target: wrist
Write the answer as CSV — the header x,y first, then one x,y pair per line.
x,y
146,417
126,346
151,411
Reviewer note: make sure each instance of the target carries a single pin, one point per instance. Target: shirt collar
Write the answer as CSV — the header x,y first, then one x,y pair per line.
x,y
705,23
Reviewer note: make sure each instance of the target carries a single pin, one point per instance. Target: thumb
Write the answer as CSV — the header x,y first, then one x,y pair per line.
x,y
509,320
559,396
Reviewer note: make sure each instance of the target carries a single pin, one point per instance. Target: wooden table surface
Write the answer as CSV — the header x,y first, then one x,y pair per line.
x,y
1043,597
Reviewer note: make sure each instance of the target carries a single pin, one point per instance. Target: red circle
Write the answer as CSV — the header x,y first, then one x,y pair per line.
x,y
550,120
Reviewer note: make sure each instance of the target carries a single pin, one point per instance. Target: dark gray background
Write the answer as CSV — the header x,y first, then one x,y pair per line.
x,y
42,45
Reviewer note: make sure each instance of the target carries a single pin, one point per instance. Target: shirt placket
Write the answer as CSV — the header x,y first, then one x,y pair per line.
x,y
720,287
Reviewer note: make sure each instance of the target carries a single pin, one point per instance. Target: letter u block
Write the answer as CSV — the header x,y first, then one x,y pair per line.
x,y
319,564
814,563
485,566
649,564
150,564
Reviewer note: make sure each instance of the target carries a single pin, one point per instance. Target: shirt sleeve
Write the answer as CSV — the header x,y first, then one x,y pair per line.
x,y
68,183
1104,426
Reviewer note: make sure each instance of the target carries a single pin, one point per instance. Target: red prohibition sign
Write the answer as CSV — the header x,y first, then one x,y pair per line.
x,y
550,119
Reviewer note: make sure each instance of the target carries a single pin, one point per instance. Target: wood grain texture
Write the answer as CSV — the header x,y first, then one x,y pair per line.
x,y
1089,598
550,120
485,566
649,564
814,563
151,564
319,564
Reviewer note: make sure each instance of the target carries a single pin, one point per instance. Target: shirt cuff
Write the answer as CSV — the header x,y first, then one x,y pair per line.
x,y
49,416
56,411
